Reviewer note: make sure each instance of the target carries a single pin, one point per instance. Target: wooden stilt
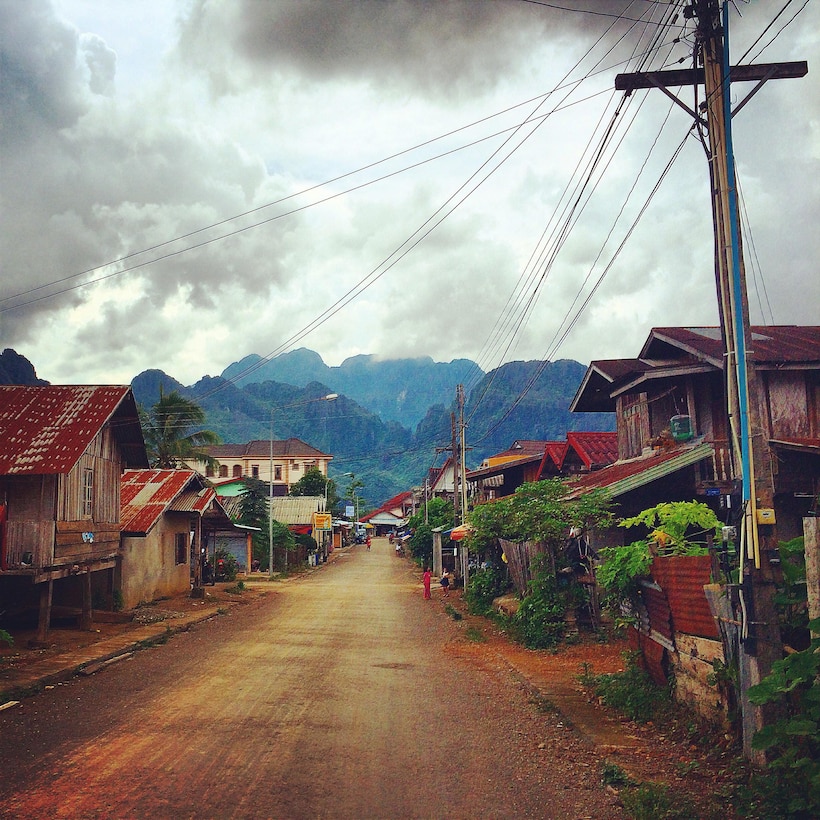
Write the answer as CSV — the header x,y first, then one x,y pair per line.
x,y
87,621
44,621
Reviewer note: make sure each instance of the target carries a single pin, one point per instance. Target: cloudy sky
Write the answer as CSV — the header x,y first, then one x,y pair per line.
x,y
185,182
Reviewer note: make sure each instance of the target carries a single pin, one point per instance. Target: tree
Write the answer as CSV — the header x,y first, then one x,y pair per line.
x,y
254,507
173,434
439,514
313,482
538,511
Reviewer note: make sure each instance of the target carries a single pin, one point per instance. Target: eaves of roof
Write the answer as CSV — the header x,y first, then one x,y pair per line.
x,y
45,429
623,477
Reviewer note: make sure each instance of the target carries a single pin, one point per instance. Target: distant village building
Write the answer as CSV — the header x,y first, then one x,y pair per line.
x,y
290,460
529,460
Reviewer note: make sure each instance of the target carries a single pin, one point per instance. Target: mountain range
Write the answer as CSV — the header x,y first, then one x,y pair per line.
x,y
390,416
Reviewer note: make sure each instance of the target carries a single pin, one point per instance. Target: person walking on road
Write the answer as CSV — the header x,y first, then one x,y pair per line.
x,y
445,583
427,578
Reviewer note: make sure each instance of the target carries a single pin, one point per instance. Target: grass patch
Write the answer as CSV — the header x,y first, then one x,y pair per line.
x,y
632,692
544,705
613,775
453,613
650,801
475,635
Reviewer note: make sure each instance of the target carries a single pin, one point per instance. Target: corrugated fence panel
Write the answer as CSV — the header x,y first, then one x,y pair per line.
x,y
682,578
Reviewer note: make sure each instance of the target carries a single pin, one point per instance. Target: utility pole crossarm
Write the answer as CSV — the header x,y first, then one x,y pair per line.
x,y
692,76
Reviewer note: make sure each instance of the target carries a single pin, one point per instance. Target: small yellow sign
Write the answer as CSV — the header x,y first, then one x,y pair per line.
x,y
322,521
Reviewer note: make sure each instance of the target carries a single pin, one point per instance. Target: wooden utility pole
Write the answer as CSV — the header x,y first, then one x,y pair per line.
x,y
760,643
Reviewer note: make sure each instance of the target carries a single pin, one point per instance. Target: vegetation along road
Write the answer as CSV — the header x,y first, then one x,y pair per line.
x,y
335,696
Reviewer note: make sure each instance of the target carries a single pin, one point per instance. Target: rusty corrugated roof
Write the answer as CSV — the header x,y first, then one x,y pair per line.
x,y
625,476
775,344
667,349
45,430
146,494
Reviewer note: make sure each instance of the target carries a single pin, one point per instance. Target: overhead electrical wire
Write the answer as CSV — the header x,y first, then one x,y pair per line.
x,y
281,200
521,302
421,233
571,215
568,323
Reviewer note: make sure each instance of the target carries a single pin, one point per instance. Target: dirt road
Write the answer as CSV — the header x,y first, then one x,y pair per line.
x,y
337,696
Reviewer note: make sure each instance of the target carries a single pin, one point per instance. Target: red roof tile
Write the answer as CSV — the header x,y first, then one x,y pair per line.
x,y
595,449
45,430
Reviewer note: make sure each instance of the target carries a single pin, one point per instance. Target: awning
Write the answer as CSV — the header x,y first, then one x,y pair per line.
x,y
460,532
623,477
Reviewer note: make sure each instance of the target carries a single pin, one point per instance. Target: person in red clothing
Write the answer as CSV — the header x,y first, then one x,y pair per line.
x,y
427,578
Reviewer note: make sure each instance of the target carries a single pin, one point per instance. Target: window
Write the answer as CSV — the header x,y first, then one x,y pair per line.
x,y
277,472
237,471
209,471
88,493
223,470
181,548
255,470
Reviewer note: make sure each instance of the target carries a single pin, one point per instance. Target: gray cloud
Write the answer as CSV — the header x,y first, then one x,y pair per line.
x,y
256,101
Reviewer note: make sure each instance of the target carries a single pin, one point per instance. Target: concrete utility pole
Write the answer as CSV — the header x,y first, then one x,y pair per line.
x,y
760,643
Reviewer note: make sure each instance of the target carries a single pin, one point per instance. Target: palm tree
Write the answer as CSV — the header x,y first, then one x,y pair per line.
x,y
171,434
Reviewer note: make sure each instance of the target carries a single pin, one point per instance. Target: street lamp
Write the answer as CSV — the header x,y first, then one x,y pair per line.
x,y
328,397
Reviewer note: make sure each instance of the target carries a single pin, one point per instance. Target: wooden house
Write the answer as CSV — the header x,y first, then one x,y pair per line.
x,y
62,453
527,460
670,406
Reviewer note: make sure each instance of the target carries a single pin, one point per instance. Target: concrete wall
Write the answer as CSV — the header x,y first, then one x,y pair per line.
x,y
149,570
692,665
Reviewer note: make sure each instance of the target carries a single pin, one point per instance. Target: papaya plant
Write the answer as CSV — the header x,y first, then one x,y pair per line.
x,y
675,528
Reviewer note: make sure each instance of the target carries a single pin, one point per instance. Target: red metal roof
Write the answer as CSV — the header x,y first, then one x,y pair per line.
x,y
667,349
45,430
595,449
147,494
396,502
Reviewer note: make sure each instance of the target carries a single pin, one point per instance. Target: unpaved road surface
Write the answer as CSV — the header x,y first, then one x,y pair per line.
x,y
335,696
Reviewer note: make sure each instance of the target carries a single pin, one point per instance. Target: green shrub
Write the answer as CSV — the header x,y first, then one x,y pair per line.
x,y
484,586
791,786
632,691
650,801
539,622
6,638
229,562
